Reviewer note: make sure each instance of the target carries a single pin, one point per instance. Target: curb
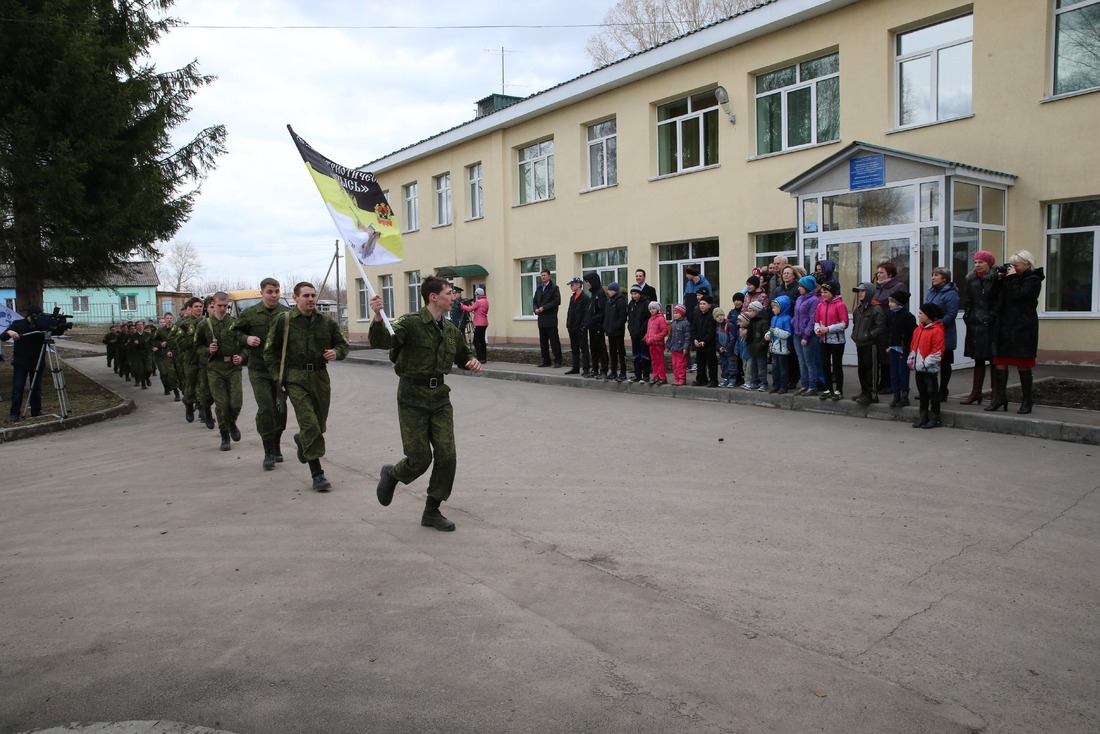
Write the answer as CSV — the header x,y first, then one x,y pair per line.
x,y
965,420
126,407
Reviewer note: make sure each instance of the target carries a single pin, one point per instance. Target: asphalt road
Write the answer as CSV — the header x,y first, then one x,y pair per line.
x,y
621,564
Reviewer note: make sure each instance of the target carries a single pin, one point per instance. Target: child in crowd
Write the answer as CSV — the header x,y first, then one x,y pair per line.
x,y
722,344
805,343
925,354
656,331
614,325
679,341
899,335
830,323
867,332
702,334
755,328
779,339
637,320
736,376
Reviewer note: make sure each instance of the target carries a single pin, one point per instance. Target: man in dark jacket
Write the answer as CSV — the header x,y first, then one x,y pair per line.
x,y
597,306
546,300
704,335
29,335
576,325
868,331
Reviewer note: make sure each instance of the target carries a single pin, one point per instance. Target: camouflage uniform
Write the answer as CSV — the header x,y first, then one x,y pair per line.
x,y
421,351
224,377
109,342
139,347
183,347
122,352
306,379
166,366
256,321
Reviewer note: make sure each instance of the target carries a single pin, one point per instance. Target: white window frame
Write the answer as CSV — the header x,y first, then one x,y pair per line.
x,y
604,146
599,262
9,303
410,192
80,304
706,116
474,191
442,184
385,288
763,258
125,298
526,274
1058,13
412,278
785,92
671,292
364,307
1049,232
531,159
933,53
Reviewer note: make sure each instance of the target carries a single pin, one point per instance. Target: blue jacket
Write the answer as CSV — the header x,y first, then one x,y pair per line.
x,y
781,327
947,298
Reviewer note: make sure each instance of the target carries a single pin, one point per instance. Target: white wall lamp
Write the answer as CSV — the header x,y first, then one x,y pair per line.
x,y
723,98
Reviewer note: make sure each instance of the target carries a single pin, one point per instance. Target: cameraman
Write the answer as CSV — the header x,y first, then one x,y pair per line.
x,y
29,335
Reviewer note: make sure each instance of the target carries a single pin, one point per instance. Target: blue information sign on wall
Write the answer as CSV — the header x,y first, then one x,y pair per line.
x,y
867,172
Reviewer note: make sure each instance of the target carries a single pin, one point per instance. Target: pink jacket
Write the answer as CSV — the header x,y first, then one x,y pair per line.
x,y
833,315
656,330
480,310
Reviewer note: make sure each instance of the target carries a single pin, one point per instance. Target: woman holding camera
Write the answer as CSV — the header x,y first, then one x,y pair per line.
x,y
1016,327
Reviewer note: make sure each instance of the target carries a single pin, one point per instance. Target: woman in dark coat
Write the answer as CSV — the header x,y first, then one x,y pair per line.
x,y
1016,330
982,287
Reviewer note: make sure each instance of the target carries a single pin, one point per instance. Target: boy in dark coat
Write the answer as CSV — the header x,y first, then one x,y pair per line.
x,y
704,337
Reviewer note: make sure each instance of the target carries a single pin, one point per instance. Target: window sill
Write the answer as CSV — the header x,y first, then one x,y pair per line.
x,y
686,172
907,128
1067,95
473,219
1068,315
763,156
532,203
598,188
525,318
441,226
410,231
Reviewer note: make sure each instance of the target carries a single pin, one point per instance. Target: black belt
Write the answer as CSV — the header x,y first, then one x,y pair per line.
x,y
309,366
432,382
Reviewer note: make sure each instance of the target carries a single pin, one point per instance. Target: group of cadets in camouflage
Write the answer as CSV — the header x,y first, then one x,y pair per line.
x,y
202,354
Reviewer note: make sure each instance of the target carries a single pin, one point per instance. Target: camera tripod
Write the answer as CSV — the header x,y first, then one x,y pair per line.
x,y
48,357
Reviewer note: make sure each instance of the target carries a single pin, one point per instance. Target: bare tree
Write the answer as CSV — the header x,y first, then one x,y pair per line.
x,y
217,283
631,26
180,266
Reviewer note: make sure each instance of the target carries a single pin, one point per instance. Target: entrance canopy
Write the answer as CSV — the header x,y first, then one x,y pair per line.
x,y
461,271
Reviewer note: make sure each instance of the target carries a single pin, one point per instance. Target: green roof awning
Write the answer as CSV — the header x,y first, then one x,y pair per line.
x,y
461,271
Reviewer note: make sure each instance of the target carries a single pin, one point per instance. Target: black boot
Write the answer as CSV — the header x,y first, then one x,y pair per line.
x,y
176,392
189,412
234,432
276,449
921,419
225,441
387,483
208,412
433,518
1025,387
269,457
896,402
933,421
1000,381
904,402
319,482
167,390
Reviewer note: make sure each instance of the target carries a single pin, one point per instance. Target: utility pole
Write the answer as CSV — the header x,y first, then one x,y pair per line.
x,y
337,282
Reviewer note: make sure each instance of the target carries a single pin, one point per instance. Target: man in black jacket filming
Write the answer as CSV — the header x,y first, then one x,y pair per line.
x,y
29,335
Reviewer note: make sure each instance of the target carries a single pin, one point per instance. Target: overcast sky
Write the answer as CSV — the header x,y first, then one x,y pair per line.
x,y
354,92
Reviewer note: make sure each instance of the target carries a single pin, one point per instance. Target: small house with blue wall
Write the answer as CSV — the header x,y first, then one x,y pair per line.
x,y
129,294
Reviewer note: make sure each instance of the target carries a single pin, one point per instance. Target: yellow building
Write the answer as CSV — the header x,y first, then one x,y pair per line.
x,y
850,129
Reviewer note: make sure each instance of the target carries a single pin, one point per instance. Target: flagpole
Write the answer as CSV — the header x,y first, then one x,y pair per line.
x,y
370,288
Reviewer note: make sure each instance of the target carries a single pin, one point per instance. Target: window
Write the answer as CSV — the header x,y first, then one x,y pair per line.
x,y
473,181
385,282
80,304
687,133
798,105
413,277
529,280
977,223
412,208
1076,45
536,172
128,302
442,199
1073,256
771,245
671,261
610,265
602,158
364,299
934,76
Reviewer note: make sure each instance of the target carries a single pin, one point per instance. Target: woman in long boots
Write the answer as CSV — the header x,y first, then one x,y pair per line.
x,y
982,287
1016,337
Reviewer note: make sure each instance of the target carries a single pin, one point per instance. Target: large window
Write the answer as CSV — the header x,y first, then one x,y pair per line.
x,y
412,207
1073,256
364,300
798,105
413,280
385,282
128,302
442,199
610,265
603,166
529,280
687,133
473,193
934,72
1076,45
674,258
774,244
80,304
977,223
536,172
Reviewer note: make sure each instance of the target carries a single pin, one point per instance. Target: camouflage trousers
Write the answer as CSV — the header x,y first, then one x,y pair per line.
x,y
226,391
190,380
309,393
166,368
203,396
269,422
427,437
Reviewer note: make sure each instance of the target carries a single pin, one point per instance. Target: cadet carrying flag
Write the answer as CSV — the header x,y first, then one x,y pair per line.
x,y
357,205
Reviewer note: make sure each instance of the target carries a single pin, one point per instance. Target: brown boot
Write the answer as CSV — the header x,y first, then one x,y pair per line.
x,y
975,396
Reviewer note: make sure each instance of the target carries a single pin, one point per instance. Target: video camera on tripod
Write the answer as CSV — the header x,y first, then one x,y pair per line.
x,y
56,323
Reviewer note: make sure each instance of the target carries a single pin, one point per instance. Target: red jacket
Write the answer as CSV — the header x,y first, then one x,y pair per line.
x,y
926,349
